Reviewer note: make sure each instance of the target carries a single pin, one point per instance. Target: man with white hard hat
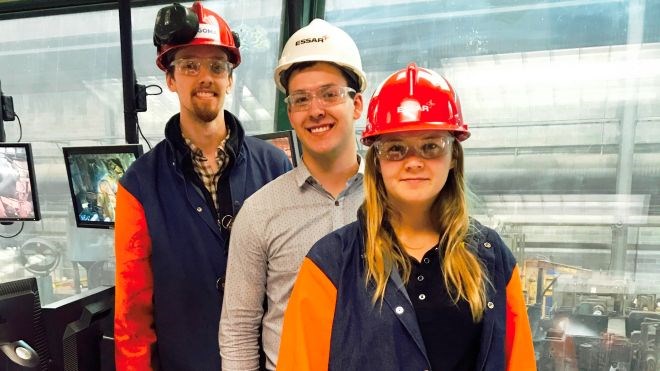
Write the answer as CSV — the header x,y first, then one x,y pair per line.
x,y
320,70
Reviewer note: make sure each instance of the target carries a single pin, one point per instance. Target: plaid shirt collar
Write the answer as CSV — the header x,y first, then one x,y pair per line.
x,y
205,170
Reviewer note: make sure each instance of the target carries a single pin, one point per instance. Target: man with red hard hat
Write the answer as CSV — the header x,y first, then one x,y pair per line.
x,y
176,203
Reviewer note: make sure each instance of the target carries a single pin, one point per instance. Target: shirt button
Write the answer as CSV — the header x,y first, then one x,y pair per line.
x,y
422,296
420,278
199,209
487,245
490,305
220,284
398,310
427,260
336,202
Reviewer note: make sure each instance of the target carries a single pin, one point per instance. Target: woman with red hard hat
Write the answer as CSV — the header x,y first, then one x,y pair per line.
x,y
414,283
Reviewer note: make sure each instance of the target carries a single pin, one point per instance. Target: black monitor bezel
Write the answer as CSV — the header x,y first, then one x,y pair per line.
x,y
33,183
290,135
135,149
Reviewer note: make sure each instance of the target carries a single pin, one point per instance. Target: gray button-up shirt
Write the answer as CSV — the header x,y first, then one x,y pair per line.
x,y
270,236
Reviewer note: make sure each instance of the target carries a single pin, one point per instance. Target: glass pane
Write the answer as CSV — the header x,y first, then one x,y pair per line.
x,y
561,99
252,97
65,80
62,76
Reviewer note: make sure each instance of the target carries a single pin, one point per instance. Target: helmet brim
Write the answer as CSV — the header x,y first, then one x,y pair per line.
x,y
281,69
460,134
233,55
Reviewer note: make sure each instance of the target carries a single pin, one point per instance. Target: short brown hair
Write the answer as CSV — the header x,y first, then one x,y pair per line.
x,y
351,78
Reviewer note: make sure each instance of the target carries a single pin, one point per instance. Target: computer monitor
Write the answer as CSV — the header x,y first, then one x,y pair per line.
x,y
286,141
93,174
22,336
18,186
80,330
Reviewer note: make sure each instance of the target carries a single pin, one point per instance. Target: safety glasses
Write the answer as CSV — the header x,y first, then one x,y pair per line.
x,y
326,96
428,148
192,66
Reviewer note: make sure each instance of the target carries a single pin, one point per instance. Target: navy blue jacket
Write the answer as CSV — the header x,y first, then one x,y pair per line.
x,y
171,251
330,312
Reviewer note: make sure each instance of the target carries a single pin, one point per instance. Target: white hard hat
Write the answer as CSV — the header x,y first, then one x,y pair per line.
x,y
320,41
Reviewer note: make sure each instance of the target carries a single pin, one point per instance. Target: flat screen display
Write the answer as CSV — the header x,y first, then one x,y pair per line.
x,y
18,186
93,174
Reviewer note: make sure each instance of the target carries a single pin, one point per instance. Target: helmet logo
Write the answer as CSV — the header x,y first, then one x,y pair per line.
x,y
308,40
209,29
410,110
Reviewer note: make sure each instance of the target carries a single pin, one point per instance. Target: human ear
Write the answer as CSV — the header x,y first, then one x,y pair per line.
x,y
171,83
358,104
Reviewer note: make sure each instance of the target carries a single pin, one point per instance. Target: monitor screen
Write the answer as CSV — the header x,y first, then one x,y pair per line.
x,y
22,334
80,330
286,141
93,174
18,186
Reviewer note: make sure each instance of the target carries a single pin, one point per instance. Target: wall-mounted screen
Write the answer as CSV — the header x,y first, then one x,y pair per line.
x,y
93,174
286,141
18,186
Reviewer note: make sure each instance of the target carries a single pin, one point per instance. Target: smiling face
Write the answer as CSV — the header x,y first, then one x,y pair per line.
x,y
201,97
324,131
415,181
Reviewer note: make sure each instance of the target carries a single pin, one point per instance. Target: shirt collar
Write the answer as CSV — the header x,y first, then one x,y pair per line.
x,y
302,174
197,153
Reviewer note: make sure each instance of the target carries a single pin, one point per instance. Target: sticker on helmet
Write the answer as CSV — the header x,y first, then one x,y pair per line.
x,y
410,110
308,40
209,30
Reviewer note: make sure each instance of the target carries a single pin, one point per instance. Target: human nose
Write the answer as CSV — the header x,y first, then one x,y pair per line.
x,y
316,107
205,76
412,158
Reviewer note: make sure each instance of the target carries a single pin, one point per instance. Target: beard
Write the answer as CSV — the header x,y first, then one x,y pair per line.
x,y
206,113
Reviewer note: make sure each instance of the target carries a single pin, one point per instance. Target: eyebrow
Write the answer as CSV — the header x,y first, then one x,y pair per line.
x,y
320,87
219,58
427,136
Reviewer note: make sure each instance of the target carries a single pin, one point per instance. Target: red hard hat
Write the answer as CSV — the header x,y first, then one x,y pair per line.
x,y
212,30
414,99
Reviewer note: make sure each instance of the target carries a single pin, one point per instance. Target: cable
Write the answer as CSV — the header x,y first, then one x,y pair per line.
x,y
143,90
160,90
20,128
17,233
142,135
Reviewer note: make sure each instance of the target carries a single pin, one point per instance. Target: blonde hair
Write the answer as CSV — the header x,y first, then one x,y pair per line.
x,y
463,273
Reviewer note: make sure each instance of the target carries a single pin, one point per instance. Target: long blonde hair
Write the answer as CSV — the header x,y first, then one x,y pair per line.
x,y
463,273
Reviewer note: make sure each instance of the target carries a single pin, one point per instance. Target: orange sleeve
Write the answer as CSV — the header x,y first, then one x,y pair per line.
x,y
519,347
134,332
307,329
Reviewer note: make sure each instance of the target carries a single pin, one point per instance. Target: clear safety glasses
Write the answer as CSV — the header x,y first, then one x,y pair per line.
x,y
192,66
428,148
326,96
